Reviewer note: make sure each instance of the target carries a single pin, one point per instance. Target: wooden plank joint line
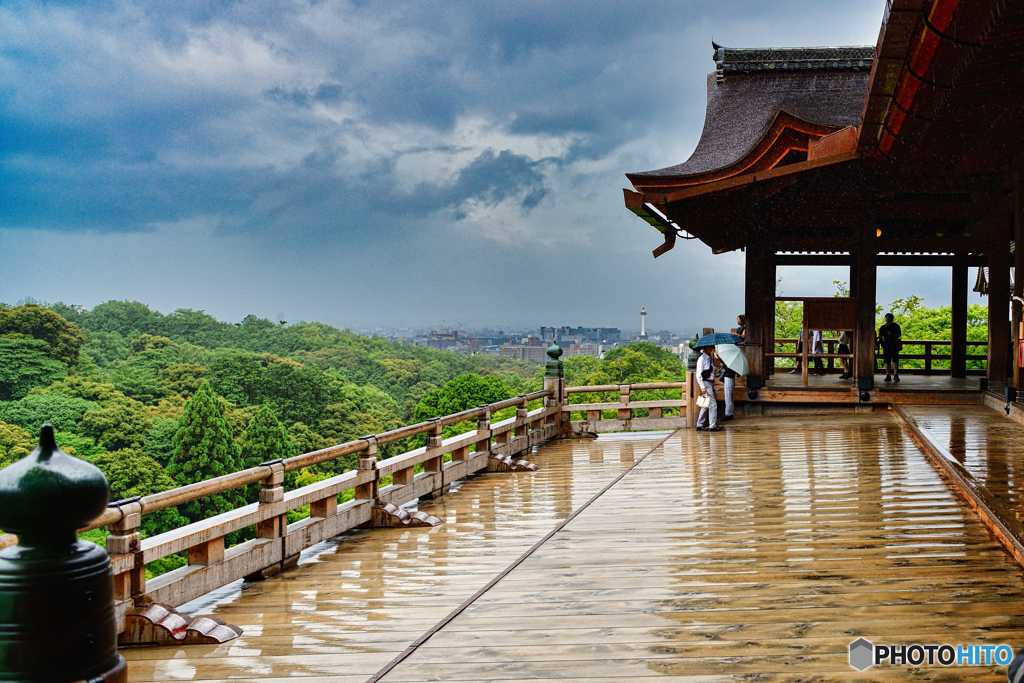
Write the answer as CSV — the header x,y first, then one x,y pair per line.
x,y
490,584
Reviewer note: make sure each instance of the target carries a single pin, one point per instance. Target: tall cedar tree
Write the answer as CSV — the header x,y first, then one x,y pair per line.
x,y
204,448
265,439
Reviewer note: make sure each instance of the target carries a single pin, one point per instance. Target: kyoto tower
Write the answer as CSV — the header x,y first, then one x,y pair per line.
x,y
643,314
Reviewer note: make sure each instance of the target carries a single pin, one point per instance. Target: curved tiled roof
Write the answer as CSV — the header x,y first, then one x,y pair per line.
x,y
750,87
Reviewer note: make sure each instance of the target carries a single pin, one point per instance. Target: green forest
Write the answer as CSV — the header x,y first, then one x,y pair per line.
x,y
158,401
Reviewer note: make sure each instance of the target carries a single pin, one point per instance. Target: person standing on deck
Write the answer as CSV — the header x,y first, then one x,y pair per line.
x,y
817,348
799,349
707,420
845,340
729,375
890,338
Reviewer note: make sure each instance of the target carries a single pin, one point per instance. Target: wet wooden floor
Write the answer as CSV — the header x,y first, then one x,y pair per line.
x,y
989,445
758,553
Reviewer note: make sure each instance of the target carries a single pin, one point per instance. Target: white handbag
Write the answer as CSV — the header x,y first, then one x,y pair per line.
x,y
703,401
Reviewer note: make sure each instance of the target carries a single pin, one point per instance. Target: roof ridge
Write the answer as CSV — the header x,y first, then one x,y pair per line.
x,y
735,61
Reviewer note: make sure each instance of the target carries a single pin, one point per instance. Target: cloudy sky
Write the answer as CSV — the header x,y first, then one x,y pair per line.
x,y
374,163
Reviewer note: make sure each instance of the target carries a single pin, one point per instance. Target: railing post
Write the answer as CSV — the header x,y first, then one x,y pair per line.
x,y
125,539
368,461
276,527
625,413
554,380
271,492
522,412
435,465
927,358
483,426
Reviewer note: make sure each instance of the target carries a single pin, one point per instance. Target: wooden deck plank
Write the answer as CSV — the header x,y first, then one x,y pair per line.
x,y
756,552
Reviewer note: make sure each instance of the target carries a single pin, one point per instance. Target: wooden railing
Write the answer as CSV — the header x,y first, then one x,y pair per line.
x,y
928,355
625,407
277,544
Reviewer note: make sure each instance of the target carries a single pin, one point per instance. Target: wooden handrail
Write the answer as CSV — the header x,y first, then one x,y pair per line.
x,y
833,340
639,386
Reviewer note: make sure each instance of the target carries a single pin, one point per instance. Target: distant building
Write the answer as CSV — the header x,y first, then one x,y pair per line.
x,y
569,335
535,354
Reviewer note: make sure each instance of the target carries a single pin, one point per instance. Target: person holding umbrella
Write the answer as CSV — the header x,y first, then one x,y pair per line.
x,y
707,421
735,363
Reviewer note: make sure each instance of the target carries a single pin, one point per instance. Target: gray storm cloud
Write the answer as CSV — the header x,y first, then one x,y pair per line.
x,y
226,155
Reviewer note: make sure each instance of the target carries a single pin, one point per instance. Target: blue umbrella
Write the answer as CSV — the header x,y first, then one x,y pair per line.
x,y
716,338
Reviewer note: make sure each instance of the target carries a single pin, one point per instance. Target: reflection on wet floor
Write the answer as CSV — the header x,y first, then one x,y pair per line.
x,y
761,551
985,442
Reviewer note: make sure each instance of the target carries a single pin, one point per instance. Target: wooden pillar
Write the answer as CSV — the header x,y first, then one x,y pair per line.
x,y
755,291
866,278
1018,279
1000,230
958,343
771,280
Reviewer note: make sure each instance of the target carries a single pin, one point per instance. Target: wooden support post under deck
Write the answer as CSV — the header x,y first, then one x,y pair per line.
x,y
1000,230
958,344
864,335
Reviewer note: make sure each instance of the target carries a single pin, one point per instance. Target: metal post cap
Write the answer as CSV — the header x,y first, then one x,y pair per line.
x,y
46,497
553,368
57,620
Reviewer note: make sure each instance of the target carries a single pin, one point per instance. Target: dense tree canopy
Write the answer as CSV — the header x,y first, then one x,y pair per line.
x,y
32,321
26,363
63,411
15,443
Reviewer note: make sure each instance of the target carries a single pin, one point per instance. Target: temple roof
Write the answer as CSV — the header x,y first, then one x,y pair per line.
x,y
751,88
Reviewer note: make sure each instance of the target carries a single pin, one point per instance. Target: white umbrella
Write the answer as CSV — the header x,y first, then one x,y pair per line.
x,y
733,357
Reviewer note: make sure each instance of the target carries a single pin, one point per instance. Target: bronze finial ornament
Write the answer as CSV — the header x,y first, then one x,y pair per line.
x,y
56,592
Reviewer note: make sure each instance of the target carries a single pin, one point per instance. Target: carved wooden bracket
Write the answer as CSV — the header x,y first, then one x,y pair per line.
x,y
505,463
393,516
156,624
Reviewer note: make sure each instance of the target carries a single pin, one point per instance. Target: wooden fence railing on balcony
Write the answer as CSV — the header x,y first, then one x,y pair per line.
x,y
928,355
624,408
277,544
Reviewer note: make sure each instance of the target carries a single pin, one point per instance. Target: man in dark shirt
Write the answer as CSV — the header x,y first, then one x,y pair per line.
x,y
890,339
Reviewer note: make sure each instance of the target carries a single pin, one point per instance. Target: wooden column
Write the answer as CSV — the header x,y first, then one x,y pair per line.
x,y
1000,230
1018,279
866,277
770,278
755,290
958,344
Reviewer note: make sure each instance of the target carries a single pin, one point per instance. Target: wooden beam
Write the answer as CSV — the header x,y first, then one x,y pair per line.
x,y
899,260
813,259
